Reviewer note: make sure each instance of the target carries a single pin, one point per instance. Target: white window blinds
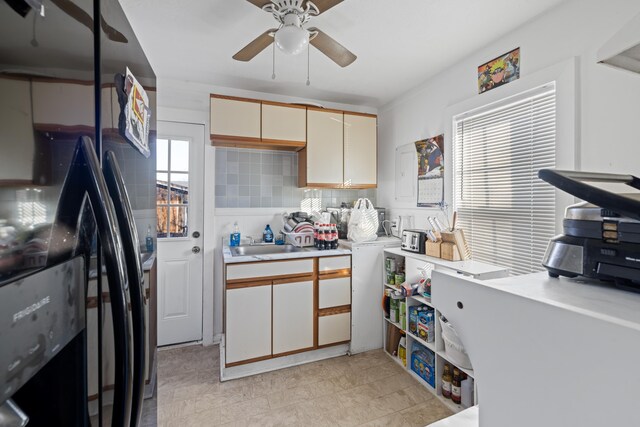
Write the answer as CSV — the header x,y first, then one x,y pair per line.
x,y
507,213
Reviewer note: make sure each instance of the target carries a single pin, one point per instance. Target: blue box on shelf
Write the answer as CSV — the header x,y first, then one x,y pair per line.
x,y
423,363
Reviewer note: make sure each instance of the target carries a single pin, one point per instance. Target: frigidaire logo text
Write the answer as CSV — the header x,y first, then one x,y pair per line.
x,y
31,309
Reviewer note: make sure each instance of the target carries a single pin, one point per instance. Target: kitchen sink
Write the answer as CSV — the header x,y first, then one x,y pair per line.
x,y
264,250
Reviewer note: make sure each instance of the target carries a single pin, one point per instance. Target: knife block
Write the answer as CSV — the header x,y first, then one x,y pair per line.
x,y
450,251
456,238
433,248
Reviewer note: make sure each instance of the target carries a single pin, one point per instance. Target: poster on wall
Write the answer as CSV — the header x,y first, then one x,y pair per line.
x,y
499,71
430,171
135,114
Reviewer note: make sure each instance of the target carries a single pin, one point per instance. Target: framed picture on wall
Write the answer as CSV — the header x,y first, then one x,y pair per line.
x,y
499,71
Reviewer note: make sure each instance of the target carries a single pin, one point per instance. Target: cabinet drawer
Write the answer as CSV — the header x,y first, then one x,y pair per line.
x,y
263,270
334,292
327,264
334,329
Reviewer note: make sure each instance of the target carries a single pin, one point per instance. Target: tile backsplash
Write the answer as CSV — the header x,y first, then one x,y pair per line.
x,y
265,179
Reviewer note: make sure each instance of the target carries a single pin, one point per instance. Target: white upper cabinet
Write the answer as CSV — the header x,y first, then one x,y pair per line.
x,y
360,150
47,109
324,152
284,123
16,136
232,117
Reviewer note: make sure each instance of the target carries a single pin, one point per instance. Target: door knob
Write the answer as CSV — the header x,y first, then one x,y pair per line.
x,y
195,249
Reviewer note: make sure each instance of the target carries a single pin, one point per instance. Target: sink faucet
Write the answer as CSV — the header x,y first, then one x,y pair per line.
x,y
252,240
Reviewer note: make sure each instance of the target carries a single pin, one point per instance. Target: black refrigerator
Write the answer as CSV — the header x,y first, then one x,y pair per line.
x,y
75,195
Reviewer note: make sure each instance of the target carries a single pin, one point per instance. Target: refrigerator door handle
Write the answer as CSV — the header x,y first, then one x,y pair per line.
x,y
126,221
84,179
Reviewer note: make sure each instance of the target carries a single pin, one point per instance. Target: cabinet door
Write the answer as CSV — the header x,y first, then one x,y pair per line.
x,y
292,316
324,148
360,148
333,329
47,105
92,339
248,323
147,348
284,123
235,118
16,134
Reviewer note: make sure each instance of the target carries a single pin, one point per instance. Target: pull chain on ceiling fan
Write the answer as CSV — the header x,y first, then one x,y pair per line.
x,y
290,36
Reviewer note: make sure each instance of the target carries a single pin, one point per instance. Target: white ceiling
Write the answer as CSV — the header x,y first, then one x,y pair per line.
x,y
397,47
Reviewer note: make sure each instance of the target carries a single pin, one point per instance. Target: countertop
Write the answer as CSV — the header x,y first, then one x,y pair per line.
x,y
147,263
589,297
309,253
386,241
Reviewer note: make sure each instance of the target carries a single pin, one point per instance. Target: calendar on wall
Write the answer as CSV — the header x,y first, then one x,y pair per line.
x,y
430,171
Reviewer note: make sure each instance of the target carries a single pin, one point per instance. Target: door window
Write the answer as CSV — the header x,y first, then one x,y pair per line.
x,y
172,188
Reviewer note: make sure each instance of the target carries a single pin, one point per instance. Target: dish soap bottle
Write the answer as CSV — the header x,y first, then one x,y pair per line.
x,y
234,238
267,235
149,240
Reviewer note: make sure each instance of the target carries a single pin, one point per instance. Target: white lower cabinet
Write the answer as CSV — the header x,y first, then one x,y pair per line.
x,y
334,292
275,309
248,323
334,328
292,316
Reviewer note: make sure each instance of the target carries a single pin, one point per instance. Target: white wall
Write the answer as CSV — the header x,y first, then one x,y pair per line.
x,y
607,105
188,102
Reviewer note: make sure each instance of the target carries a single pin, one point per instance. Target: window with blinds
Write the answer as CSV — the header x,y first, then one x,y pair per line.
x,y
506,212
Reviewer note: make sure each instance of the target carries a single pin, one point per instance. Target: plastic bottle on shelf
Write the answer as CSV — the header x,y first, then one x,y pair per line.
x,y
467,392
321,236
328,236
446,381
456,392
402,350
267,234
334,240
315,234
149,240
234,238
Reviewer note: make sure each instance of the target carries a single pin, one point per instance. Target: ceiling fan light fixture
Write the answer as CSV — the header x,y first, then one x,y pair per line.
x,y
292,38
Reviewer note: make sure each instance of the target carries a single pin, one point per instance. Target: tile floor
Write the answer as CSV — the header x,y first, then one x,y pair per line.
x,y
366,389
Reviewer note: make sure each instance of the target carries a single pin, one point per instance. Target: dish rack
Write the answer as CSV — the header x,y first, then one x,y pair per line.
x,y
300,240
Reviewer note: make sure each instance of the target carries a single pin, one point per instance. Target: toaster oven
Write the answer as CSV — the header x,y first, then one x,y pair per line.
x,y
414,241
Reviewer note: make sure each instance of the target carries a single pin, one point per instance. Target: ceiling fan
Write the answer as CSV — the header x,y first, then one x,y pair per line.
x,y
23,7
291,37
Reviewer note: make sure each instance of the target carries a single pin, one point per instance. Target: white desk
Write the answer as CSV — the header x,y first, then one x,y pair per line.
x,y
548,352
466,418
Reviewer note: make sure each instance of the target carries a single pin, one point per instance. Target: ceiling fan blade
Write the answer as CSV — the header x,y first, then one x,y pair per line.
x,y
259,3
323,5
112,33
334,50
77,13
261,42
